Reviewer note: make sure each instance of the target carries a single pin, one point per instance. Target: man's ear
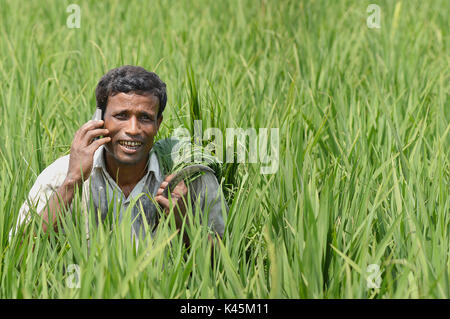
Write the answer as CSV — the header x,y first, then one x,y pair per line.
x,y
159,120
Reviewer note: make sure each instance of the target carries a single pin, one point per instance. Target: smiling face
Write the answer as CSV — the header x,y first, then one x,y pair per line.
x,y
133,124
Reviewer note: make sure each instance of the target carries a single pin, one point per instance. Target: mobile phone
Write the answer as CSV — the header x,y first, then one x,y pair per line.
x,y
97,117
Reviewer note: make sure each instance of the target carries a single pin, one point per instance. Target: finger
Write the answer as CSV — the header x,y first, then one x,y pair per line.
x,y
167,202
169,177
163,189
182,185
97,143
90,125
164,185
90,135
160,191
164,202
180,191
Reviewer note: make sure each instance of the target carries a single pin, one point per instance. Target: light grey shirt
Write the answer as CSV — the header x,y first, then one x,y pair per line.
x,y
101,191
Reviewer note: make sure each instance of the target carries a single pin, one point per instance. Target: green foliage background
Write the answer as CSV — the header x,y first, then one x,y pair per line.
x,y
363,116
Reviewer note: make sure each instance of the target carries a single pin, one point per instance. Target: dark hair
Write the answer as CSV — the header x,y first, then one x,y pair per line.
x,y
129,78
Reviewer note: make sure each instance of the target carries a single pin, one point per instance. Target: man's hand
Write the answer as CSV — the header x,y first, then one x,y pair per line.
x,y
178,196
80,167
83,149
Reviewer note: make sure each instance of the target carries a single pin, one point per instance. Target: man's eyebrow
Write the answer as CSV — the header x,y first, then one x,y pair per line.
x,y
120,110
146,113
126,110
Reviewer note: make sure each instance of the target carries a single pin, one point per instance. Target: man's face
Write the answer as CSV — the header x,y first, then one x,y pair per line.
x,y
132,123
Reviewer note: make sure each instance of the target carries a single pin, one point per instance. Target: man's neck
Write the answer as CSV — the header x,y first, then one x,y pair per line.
x,y
125,175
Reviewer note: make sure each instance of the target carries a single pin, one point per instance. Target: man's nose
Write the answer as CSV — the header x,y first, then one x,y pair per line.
x,y
133,126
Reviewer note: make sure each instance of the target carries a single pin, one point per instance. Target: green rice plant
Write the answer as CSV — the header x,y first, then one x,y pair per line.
x,y
363,173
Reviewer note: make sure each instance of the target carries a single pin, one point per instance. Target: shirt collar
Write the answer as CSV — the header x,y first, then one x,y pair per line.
x,y
152,164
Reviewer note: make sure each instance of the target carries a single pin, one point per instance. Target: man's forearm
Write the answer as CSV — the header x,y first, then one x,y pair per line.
x,y
58,202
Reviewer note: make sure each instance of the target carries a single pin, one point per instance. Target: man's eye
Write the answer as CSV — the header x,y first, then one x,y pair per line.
x,y
146,118
120,116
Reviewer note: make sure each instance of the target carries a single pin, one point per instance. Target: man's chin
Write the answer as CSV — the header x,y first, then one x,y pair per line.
x,y
122,158
130,160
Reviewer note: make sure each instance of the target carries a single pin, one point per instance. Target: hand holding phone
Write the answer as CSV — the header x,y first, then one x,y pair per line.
x,y
86,141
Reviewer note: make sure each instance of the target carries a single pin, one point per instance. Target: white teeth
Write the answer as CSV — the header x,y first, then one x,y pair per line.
x,y
130,143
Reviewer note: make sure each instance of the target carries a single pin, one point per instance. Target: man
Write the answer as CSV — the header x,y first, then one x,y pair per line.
x,y
111,161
